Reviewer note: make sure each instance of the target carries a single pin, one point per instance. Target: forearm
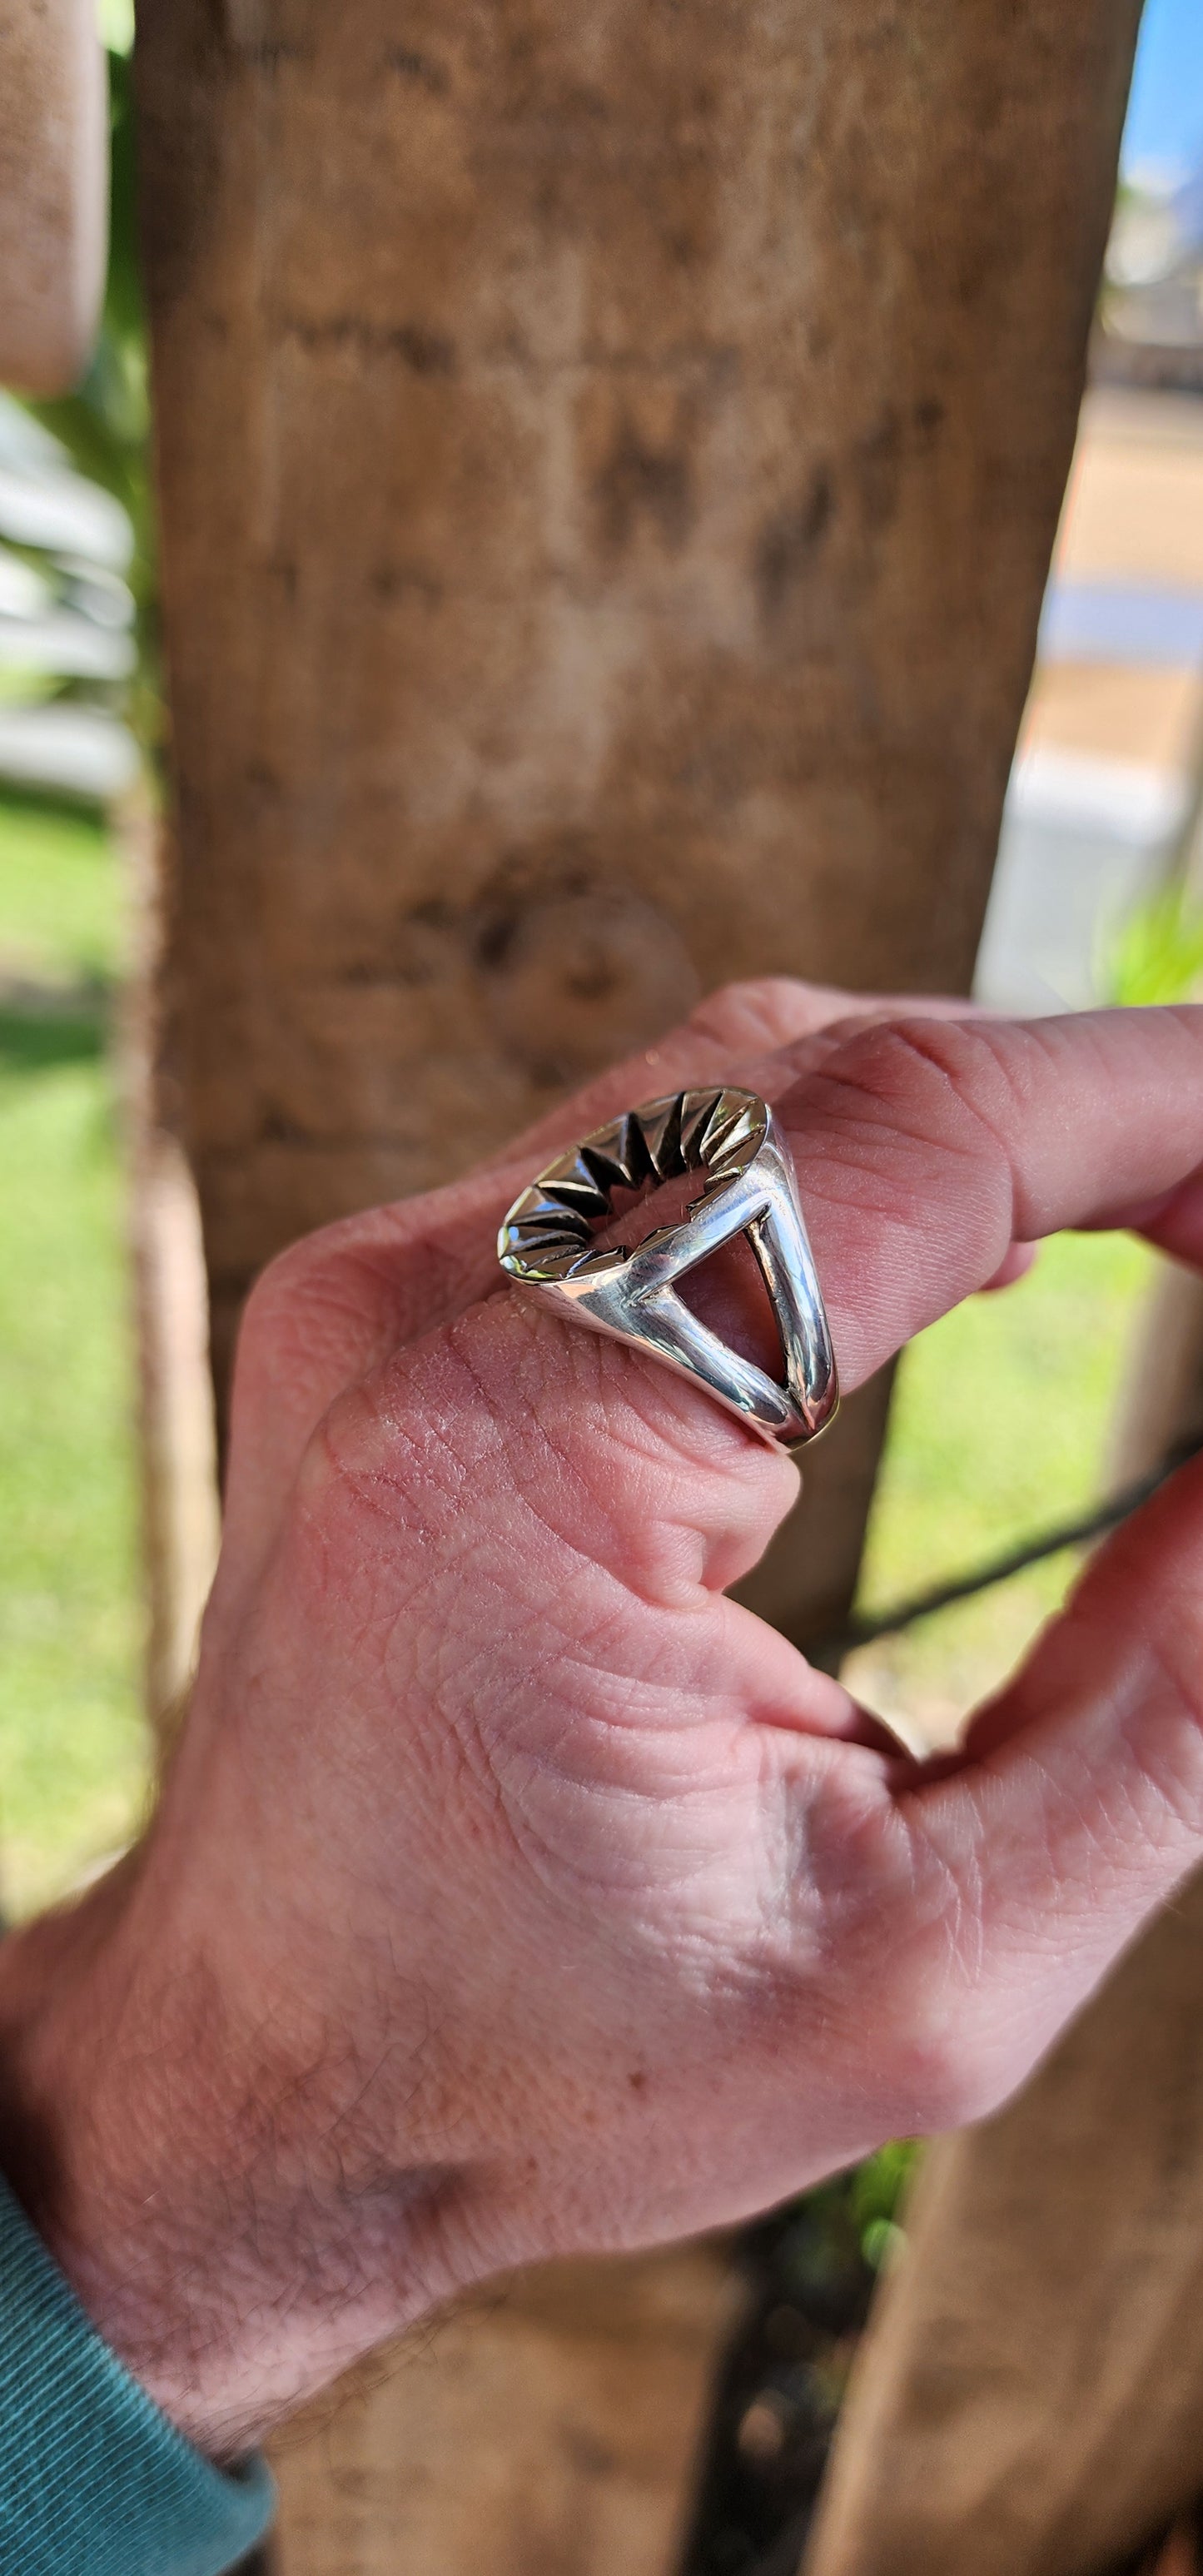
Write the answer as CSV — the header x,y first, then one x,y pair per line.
x,y
188,2184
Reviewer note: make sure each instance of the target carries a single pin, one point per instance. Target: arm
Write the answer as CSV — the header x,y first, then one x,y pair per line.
x,y
92,2476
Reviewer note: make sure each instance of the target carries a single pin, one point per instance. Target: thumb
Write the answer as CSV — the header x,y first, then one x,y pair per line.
x,y
1077,1805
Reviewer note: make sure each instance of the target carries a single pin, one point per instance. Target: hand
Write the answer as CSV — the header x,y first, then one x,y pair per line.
x,y
513,1891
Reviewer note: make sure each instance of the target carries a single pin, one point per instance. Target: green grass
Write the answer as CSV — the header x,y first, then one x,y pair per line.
x,y
73,1752
60,904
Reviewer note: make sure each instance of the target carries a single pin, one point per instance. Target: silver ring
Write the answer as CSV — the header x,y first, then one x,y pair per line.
x,y
546,1242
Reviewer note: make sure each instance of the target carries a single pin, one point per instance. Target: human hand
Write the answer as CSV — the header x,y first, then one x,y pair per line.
x,y
515,1892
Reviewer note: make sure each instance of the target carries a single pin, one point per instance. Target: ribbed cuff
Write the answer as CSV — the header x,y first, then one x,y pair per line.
x,y
94,2481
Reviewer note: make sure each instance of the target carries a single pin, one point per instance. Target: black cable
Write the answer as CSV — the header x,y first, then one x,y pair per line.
x,y
859,1631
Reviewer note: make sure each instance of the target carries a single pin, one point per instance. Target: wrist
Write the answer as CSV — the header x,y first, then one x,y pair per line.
x,y
187,2188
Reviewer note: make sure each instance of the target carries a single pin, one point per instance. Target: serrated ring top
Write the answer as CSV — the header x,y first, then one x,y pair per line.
x,y
548,1235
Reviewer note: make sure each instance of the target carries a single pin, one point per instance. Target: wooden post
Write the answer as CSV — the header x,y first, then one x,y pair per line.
x,y
53,191
1029,2397
608,466
549,2429
608,461
177,1445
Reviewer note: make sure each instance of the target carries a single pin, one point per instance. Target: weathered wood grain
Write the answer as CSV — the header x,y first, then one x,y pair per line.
x,y
608,465
549,2430
53,191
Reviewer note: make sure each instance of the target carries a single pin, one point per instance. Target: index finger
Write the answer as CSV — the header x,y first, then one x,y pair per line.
x,y
925,1148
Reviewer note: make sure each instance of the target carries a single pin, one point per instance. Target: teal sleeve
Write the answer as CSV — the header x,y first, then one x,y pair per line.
x,y
94,2481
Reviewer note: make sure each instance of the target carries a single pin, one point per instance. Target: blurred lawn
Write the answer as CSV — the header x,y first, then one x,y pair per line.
x,y
60,910
1000,1425
72,1747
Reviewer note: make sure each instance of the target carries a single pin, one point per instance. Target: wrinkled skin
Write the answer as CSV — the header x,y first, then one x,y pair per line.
x,y
513,1891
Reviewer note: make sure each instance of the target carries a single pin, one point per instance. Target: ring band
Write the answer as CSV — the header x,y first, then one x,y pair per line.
x,y
545,1245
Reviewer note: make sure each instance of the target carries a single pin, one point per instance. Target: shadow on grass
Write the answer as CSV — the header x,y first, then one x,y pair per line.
x,y
41,1027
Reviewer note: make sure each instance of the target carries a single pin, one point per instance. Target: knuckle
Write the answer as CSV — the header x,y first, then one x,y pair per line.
x,y
759,1011
305,1304
953,2085
941,2076
930,2018
917,1070
284,1288
937,1087
953,2045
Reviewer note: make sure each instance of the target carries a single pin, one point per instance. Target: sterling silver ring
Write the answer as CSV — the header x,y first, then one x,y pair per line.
x,y
546,1246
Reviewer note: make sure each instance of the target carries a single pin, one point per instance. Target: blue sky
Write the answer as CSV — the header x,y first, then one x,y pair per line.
x,y
1165,113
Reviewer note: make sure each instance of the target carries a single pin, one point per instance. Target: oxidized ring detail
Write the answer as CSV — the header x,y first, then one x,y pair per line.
x,y
546,1245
